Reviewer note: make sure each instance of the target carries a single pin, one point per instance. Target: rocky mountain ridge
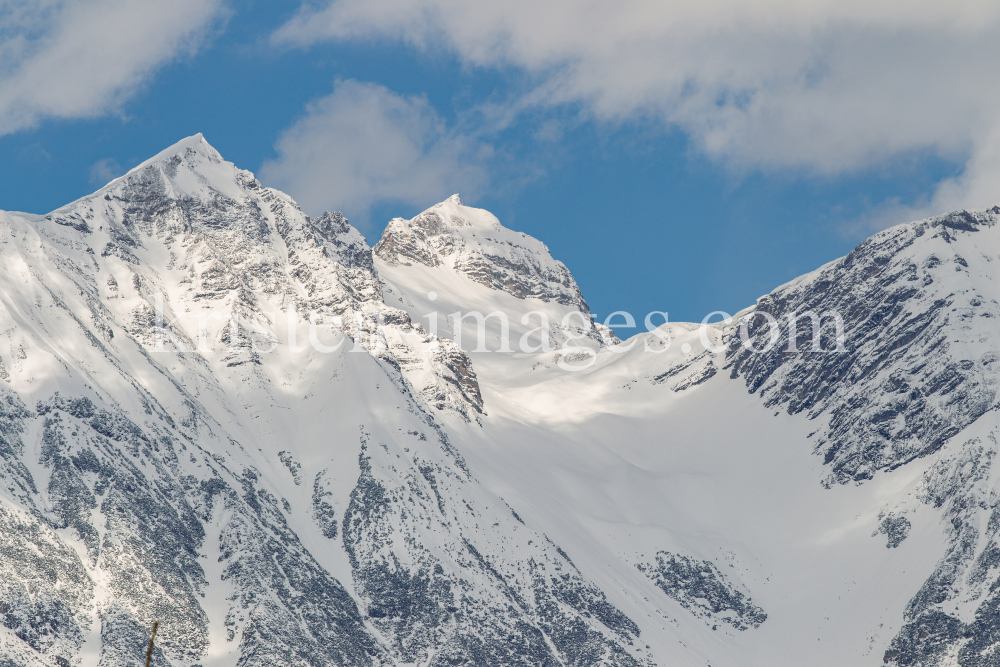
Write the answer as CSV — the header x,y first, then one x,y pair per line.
x,y
166,513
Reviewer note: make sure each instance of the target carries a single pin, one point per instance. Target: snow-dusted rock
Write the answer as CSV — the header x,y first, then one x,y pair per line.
x,y
472,242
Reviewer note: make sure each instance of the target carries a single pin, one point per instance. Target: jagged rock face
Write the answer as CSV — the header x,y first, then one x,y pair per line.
x,y
474,243
138,501
918,361
342,242
236,249
46,588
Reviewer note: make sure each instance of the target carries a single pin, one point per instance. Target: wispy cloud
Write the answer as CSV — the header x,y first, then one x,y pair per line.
x,y
824,87
977,187
83,58
103,171
364,144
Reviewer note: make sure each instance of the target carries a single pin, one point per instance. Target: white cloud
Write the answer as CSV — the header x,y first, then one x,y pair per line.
x,y
103,171
977,187
824,87
364,144
82,58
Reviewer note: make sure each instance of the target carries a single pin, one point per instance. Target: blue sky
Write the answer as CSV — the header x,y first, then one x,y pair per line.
x,y
673,159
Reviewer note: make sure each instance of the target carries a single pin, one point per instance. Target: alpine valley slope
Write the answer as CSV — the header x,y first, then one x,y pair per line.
x,y
172,449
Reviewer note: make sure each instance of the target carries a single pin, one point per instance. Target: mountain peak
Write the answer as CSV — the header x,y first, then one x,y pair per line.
x,y
193,168
471,242
453,214
196,142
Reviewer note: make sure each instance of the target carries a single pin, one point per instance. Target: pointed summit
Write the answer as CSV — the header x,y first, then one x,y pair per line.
x,y
195,143
471,242
189,168
193,168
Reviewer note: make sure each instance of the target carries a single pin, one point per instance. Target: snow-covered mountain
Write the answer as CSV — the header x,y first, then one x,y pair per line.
x,y
291,448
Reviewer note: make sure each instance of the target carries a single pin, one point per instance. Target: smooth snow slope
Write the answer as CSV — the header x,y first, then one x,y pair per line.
x,y
401,500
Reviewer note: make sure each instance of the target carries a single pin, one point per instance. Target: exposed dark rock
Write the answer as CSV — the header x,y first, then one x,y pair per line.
x,y
895,528
700,588
323,512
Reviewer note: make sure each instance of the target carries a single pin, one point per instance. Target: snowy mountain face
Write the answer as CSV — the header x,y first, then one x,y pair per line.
x,y
917,364
498,258
289,447
917,371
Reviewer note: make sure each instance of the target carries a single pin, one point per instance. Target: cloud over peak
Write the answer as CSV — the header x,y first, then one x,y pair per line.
x,y
364,143
824,87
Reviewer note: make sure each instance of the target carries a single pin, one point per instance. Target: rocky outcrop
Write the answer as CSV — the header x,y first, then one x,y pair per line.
x,y
700,588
